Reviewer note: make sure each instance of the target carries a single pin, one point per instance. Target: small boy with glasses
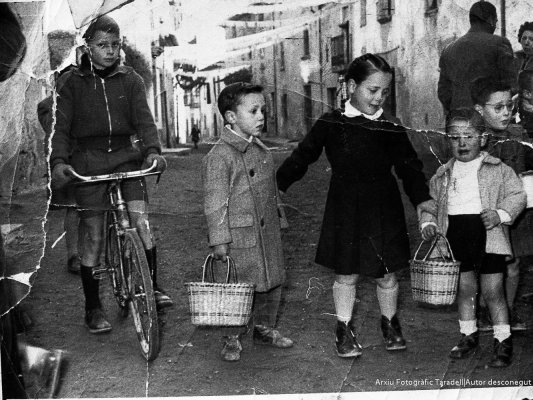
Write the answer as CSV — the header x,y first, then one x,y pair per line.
x,y
475,196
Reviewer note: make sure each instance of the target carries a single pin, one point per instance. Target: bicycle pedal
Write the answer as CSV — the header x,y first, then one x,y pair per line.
x,y
99,273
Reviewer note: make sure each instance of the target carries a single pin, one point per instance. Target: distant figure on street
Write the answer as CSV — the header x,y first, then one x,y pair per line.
x,y
363,230
240,205
476,54
475,198
195,136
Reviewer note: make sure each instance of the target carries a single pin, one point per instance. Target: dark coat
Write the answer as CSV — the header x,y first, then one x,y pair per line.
x,y
241,208
363,230
474,55
102,112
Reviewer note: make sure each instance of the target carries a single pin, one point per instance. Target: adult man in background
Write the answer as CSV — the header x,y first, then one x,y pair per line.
x,y
476,54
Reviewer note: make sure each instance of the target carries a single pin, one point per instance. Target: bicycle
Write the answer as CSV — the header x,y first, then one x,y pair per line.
x,y
125,262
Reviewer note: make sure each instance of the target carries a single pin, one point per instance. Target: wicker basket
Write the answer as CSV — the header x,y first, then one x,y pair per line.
x,y
434,280
220,304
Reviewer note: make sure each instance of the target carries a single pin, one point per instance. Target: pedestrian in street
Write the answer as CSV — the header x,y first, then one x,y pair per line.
x,y
195,136
475,198
240,205
476,54
62,197
492,99
363,230
101,105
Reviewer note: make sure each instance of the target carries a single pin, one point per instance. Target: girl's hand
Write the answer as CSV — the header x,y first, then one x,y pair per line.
x,y
221,252
490,219
429,232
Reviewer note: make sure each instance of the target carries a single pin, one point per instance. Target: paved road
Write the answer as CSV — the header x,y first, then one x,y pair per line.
x,y
111,366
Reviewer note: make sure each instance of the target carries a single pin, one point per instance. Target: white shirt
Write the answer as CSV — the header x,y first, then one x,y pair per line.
x,y
350,112
463,195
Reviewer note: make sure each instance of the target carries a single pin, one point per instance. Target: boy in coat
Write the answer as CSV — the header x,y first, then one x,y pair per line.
x,y
475,197
240,205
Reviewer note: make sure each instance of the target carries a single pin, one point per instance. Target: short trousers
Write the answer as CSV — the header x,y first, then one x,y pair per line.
x,y
467,237
92,199
63,197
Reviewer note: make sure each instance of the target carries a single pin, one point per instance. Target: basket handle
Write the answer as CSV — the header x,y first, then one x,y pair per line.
x,y
438,236
208,268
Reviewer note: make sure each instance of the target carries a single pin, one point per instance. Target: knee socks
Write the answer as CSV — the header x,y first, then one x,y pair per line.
x,y
388,300
502,332
344,298
90,288
467,327
151,257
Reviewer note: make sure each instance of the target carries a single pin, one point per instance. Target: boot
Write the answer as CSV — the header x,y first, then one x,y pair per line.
x,y
466,345
162,300
392,333
345,340
95,318
271,337
503,352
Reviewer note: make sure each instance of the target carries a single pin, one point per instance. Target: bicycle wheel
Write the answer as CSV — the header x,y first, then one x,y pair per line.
x,y
141,294
113,250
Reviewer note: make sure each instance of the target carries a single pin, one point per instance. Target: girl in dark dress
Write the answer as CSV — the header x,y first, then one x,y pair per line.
x,y
363,230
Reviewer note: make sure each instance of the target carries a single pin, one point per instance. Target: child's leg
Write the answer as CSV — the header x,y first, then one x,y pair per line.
x,y
511,281
71,223
387,293
344,299
466,299
492,289
266,306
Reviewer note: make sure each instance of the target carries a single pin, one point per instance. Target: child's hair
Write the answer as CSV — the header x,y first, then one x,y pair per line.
x,y
468,115
525,80
105,24
364,66
230,97
482,88
526,26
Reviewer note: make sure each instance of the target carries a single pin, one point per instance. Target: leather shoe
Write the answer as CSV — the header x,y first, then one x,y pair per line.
x,y
162,300
271,337
96,321
345,341
466,345
232,349
392,333
503,351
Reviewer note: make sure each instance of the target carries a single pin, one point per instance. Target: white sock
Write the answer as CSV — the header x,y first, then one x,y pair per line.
x,y
388,300
502,332
344,298
467,327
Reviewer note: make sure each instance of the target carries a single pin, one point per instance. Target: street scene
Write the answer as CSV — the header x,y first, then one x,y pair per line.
x,y
388,125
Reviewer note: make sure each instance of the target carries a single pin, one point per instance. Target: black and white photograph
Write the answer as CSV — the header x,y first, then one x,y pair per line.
x,y
298,199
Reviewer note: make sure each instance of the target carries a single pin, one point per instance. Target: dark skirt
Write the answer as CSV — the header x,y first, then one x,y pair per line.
x,y
364,231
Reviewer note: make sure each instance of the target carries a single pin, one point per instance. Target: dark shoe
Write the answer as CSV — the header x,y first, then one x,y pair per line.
x,y
503,351
345,341
484,322
232,349
516,322
466,345
271,337
392,333
162,300
73,265
96,321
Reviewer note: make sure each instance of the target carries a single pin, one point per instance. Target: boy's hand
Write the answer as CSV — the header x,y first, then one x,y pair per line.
x,y
161,162
221,252
429,232
61,175
490,219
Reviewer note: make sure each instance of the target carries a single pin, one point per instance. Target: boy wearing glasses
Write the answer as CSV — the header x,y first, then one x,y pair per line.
x,y
101,109
492,100
475,196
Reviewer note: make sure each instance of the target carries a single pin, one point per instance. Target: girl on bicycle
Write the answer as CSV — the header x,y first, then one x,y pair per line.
x,y
103,119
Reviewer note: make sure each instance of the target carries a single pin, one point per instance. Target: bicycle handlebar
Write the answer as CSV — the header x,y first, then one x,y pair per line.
x,y
117,175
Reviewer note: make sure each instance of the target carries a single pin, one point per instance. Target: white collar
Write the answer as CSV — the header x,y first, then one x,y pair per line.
x,y
249,139
350,112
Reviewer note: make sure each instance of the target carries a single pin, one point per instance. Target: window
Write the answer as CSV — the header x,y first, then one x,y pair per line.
x,y
432,7
306,42
281,56
208,93
187,98
385,9
363,13
284,106
195,101
332,97
337,53
345,14
308,107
